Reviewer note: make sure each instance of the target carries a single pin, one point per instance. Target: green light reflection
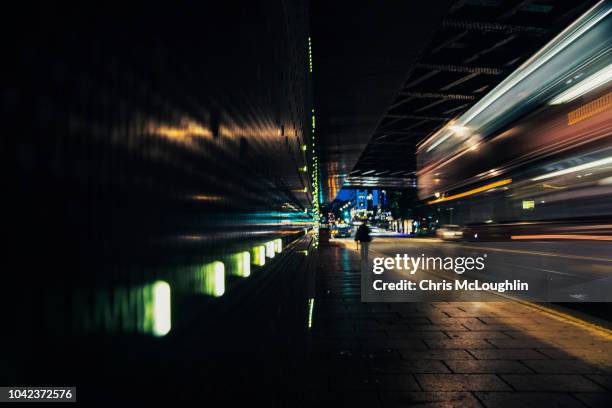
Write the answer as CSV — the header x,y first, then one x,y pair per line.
x,y
210,279
259,255
145,309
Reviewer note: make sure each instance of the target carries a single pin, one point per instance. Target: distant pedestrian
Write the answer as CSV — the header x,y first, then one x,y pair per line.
x,y
363,237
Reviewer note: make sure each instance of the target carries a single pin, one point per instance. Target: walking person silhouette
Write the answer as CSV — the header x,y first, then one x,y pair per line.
x,y
362,236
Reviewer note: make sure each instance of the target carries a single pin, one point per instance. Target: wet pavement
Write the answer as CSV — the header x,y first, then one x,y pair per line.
x,y
282,341
445,354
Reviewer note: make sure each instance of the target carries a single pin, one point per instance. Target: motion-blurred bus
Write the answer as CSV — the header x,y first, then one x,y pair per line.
x,y
533,158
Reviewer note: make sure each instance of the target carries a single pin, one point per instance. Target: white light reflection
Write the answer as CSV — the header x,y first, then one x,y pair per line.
x,y
590,165
591,82
162,316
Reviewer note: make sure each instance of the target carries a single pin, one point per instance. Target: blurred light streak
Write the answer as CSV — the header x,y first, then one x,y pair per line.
x,y
604,226
577,29
203,238
446,132
142,309
521,75
310,310
204,197
278,245
183,133
210,279
162,313
259,255
269,249
586,85
472,192
219,278
333,186
296,222
459,130
596,163
564,236
246,263
240,264
546,185
539,253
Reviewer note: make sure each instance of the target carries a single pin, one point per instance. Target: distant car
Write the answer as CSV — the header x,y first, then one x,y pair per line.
x,y
449,232
341,231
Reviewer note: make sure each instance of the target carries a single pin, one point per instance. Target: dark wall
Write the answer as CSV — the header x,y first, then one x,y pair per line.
x,y
140,137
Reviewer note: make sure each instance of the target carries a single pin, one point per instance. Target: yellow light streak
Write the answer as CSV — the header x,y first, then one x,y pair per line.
x,y
204,197
472,192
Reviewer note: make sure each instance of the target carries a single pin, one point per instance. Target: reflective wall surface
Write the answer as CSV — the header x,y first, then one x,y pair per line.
x,y
157,165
